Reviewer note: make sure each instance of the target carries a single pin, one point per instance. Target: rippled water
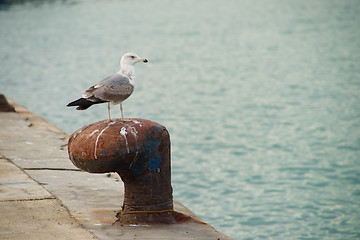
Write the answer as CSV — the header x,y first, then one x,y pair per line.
x,y
261,98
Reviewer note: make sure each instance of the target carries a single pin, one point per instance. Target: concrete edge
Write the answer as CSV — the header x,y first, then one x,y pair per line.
x,y
38,122
41,123
35,120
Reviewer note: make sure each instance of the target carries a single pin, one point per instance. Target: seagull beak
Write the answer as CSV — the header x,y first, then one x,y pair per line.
x,y
143,60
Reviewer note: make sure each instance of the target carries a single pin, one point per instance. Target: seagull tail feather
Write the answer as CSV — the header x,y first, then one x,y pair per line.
x,y
83,103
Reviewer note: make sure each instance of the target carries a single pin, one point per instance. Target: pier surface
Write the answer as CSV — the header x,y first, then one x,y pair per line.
x,y
44,196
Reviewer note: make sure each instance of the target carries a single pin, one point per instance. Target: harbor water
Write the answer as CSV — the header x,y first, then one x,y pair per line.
x,y
261,98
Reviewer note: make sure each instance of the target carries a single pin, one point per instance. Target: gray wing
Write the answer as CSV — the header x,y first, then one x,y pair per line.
x,y
115,88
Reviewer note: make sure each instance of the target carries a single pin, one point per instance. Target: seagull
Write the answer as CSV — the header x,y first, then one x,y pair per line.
x,y
113,89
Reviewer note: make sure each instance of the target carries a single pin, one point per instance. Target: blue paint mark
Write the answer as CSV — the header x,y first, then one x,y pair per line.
x,y
149,157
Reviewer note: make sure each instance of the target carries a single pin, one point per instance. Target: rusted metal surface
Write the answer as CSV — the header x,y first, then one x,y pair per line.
x,y
139,151
4,105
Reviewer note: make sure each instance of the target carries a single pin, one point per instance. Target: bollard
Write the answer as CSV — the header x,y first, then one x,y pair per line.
x,y
4,105
139,151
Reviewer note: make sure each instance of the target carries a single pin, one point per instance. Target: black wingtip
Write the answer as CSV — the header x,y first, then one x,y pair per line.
x,y
76,102
82,107
83,103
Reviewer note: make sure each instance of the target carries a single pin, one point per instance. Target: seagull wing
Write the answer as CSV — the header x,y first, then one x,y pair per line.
x,y
115,89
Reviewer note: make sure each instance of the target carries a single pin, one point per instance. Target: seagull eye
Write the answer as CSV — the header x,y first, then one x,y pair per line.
x,y
132,57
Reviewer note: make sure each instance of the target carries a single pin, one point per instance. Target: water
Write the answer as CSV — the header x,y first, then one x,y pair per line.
x,y
261,98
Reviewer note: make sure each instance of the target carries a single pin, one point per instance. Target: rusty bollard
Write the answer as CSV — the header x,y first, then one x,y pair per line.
x,y
4,105
139,151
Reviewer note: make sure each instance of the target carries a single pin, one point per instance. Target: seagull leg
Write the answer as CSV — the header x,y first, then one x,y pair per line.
x,y
109,111
121,109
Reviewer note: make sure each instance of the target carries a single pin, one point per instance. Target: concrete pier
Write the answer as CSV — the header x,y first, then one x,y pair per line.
x,y
44,196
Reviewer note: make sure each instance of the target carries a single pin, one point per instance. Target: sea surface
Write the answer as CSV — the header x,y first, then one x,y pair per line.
x,y
261,98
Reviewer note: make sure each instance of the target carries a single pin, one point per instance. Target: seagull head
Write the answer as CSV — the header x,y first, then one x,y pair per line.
x,y
131,59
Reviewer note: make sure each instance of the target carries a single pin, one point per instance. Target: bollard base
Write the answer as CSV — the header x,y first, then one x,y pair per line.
x,y
152,218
